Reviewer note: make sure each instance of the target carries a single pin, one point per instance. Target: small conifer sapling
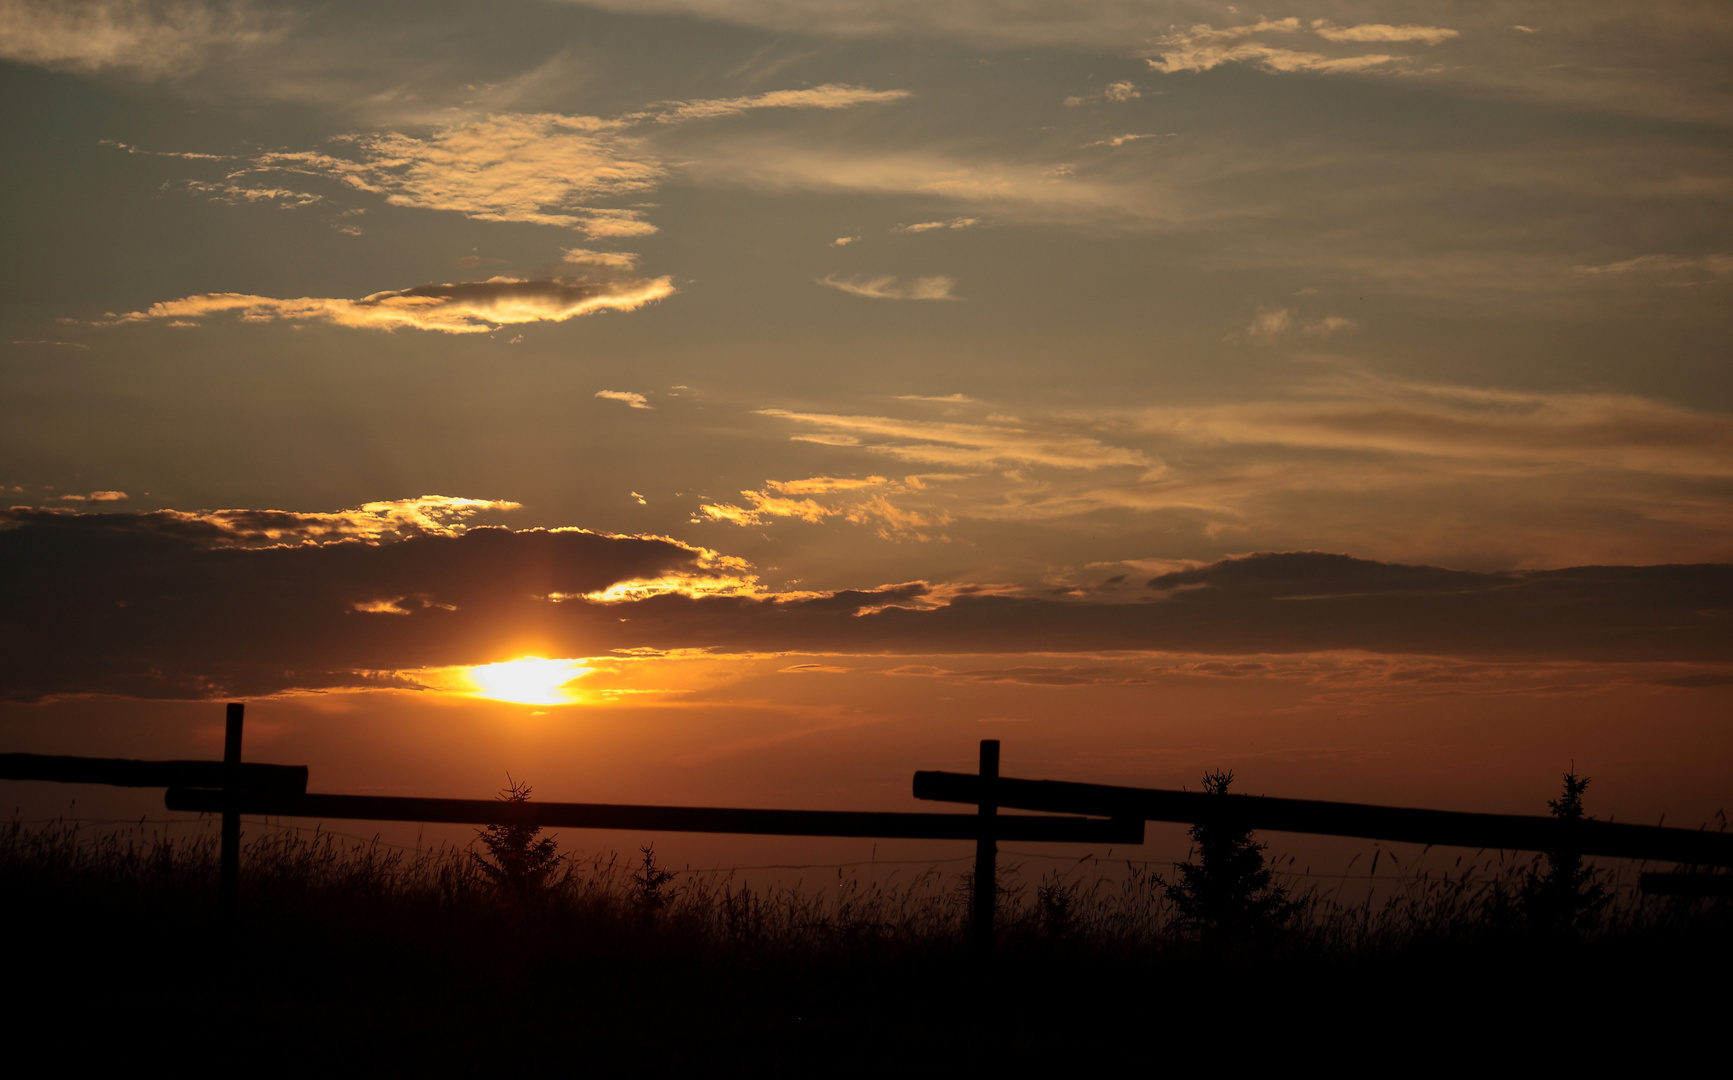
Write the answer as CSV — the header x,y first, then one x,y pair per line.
x,y
519,859
1228,892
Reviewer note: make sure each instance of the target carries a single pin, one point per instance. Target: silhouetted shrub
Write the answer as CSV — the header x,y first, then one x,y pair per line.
x,y
1562,898
519,859
651,882
1228,892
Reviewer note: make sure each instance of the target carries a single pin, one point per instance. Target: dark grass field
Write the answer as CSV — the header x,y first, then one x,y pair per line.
x,y
353,958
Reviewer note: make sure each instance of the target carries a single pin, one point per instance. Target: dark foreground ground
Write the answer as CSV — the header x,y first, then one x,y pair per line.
x,y
354,961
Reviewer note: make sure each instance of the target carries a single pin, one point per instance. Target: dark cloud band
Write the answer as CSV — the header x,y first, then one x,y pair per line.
x,y
155,606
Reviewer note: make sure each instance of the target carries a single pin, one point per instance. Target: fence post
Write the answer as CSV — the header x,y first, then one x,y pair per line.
x,y
986,851
230,871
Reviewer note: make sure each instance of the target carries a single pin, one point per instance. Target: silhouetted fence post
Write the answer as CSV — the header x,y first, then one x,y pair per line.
x,y
230,869
986,851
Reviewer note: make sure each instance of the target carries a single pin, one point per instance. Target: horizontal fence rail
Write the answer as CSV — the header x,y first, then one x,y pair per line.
x,y
125,772
697,819
1450,828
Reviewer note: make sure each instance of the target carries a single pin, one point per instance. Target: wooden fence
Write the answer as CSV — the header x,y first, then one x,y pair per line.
x,y
1087,814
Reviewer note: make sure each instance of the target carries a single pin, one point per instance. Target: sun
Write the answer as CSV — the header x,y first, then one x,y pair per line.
x,y
530,680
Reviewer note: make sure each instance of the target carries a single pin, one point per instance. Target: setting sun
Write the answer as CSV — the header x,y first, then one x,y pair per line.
x,y
528,681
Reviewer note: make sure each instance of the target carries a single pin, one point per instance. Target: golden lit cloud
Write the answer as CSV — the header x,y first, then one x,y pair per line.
x,y
1202,47
929,226
1426,35
541,168
475,307
1007,441
891,287
374,522
537,168
888,521
828,96
630,399
94,497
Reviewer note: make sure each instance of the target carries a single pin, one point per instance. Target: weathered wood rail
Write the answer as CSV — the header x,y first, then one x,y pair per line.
x,y
126,772
693,819
1445,828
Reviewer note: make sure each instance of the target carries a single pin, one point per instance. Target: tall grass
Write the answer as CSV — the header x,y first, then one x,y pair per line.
x,y
396,961
1124,908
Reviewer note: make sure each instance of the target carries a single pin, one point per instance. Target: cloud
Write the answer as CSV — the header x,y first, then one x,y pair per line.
x,y
1490,429
1006,442
374,522
475,307
233,194
186,154
534,168
1269,325
828,96
843,241
1202,47
1118,91
891,287
208,603
635,401
238,603
1664,265
620,262
795,499
1426,35
1034,191
95,497
164,38
1395,468
1121,140
537,168
929,226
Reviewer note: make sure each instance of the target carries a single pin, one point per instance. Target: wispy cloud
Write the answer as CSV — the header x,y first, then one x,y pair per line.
x,y
929,226
1005,442
1270,325
475,307
238,194
95,497
858,501
891,287
828,96
1118,91
1202,47
150,38
374,522
1718,265
1031,191
631,400
1401,469
1426,35
536,168
1121,140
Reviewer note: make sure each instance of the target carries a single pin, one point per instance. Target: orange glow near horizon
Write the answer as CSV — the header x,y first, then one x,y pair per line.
x,y
529,680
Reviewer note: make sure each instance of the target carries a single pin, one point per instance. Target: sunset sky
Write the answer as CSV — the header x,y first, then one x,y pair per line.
x,y
1341,393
